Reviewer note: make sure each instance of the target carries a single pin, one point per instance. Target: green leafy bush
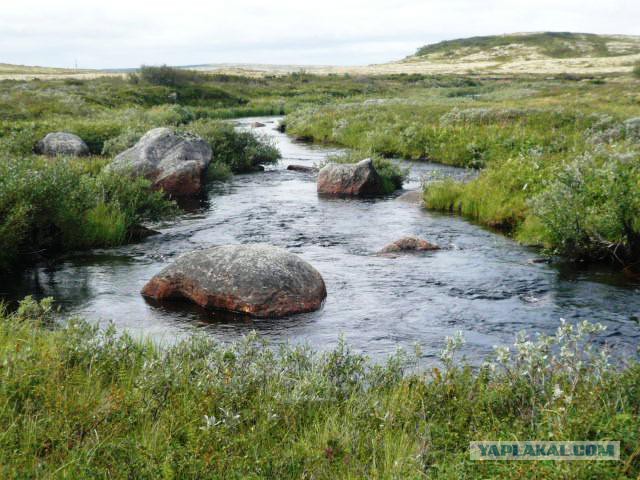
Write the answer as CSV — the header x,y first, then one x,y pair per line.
x,y
168,76
591,209
391,173
241,151
51,205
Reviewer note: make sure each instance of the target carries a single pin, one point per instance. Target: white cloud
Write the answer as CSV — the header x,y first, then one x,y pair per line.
x,y
127,33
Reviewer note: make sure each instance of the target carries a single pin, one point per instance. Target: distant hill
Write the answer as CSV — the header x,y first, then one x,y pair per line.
x,y
534,45
547,53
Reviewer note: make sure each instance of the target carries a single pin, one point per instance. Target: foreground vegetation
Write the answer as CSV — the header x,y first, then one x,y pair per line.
x,y
78,402
559,158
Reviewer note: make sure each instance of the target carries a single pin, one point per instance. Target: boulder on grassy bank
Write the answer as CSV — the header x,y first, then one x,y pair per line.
x,y
175,163
62,143
256,279
350,180
409,244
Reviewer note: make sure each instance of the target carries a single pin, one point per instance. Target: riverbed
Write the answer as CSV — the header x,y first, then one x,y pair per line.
x,y
481,282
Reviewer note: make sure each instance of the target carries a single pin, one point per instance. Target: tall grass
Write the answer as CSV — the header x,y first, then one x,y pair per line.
x,y
80,402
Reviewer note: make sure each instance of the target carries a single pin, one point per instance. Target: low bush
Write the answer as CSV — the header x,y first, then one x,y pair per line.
x,y
50,205
391,173
241,151
84,402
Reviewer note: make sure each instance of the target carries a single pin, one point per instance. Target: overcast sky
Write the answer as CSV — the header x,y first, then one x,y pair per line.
x,y
128,33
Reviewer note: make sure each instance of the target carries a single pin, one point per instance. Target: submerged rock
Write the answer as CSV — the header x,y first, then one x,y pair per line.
x,y
256,279
409,244
175,163
257,125
302,168
412,196
351,179
62,143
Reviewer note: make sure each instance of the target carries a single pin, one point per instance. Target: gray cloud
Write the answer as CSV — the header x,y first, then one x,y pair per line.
x,y
127,33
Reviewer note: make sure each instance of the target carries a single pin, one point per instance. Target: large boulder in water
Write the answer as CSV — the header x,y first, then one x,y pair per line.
x,y
256,279
62,143
350,179
175,163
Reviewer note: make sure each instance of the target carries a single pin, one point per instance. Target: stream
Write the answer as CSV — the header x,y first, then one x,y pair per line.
x,y
481,283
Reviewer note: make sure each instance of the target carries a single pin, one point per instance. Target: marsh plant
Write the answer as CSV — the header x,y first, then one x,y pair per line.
x,y
83,401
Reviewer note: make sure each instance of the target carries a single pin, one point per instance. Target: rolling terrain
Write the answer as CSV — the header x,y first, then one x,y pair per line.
x,y
547,53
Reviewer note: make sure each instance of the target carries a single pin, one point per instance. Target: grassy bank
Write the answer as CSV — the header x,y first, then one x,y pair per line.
x,y
78,402
559,157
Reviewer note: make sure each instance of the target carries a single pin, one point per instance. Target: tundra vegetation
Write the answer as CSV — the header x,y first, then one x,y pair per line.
x,y
558,167
558,158
83,402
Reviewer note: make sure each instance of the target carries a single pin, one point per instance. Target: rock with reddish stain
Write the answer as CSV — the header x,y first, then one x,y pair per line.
x,y
175,163
409,244
350,180
258,280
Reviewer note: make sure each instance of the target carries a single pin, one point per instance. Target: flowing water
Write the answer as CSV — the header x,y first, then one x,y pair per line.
x,y
481,283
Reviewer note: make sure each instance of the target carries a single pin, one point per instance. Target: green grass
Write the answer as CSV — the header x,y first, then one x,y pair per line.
x,y
79,402
636,70
48,206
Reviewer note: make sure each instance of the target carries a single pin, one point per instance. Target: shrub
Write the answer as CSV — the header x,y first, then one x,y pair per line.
x,y
84,402
60,204
168,76
636,69
392,174
241,151
590,209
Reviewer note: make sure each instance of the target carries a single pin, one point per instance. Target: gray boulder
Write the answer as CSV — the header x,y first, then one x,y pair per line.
x,y
62,143
257,279
175,163
350,179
